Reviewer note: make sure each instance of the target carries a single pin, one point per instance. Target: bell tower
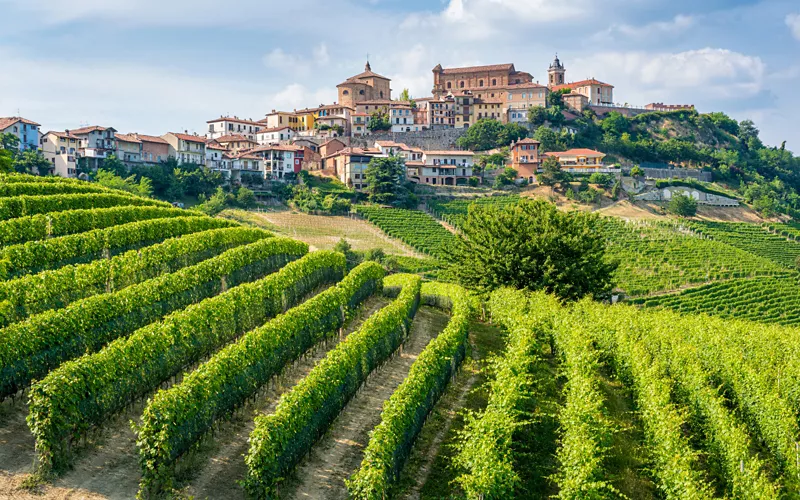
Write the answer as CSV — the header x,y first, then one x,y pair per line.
x,y
556,73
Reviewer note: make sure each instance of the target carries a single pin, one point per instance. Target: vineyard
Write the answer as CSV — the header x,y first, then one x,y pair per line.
x,y
153,352
455,211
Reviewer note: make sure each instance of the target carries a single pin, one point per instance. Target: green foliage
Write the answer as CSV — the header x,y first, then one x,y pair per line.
x,y
11,189
87,391
379,122
36,293
413,227
489,134
533,246
384,177
108,179
216,203
495,160
550,140
245,198
9,142
281,439
30,349
637,171
605,180
311,200
176,418
32,162
20,206
407,409
554,99
454,211
506,178
539,116
552,174
6,161
682,205
35,256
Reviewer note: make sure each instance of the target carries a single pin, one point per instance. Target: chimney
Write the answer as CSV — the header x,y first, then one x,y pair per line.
x,y
186,132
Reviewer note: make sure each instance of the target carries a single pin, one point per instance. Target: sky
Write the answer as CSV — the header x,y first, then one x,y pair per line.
x,y
153,66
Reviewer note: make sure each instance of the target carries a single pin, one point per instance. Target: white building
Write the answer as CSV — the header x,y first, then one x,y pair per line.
x,y
186,148
441,168
61,150
278,160
274,135
226,125
27,131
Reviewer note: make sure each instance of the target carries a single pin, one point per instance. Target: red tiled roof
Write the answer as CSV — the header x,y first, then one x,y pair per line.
x,y
582,83
530,85
576,152
63,134
189,138
376,102
276,147
93,128
127,138
469,69
233,138
213,145
273,129
528,140
415,164
150,138
232,119
452,153
11,120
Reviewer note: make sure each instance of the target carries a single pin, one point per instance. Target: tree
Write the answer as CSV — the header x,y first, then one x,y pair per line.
x,y
482,136
637,171
406,97
538,116
379,121
552,174
533,246
554,99
215,204
32,162
511,132
351,258
108,179
682,205
245,198
384,179
9,142
6,161
506,178
115,166
549,140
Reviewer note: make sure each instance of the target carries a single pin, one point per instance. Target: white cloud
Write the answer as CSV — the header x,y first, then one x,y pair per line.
x,y
793,22
677,25
295,64
297,96
321,56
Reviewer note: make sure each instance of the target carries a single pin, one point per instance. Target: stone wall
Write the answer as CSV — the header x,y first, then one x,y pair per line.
x,y
703,198
428,140
677,173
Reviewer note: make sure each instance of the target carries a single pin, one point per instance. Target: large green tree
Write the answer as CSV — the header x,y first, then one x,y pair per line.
x,y
533,246
6,161
682,205
107,178
385,176
32,162
552,174
379,121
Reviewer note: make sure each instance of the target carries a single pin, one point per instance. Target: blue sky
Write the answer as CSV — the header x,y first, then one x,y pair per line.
x,y
155,66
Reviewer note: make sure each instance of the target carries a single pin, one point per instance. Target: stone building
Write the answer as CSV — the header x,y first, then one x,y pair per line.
x,y
366,86
477,79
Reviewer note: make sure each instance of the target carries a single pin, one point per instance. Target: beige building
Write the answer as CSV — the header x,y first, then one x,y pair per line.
x,y
227,125
61,150
350,165
186,148
235,143
441,168
579,160
280,119
366,86
129,148
521,98
275,135
478,79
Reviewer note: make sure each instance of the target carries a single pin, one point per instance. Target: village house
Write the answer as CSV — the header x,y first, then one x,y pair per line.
x,y
27,131
581,161
525,159
96,144
279,160
359,123
61,150
521,98
154,149
366,86
129,149
215,158
280,119
392,148
226,125
350,165
186,148
235,143
436,113
274,135
441,168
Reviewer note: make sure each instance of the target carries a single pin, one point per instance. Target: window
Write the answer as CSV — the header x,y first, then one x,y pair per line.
x,y
480,84
461,84
494,81
449,85
511,96
361,92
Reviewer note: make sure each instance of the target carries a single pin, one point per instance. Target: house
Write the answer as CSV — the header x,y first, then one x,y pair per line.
x,y
27,131
464,109
244,167
327,150
525,159
129,149
333,126
278,160
478,79
488,108
280,119
61,150
391,148
365,86
215,158
401,116
521,98
186,148
154,149
441,168
235,142
436,113
227,125
575,102
306,142
597,92
581,161
97,144
359,123
274,135
350,165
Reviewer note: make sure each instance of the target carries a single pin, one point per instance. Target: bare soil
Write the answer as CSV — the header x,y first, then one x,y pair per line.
x,y
339,453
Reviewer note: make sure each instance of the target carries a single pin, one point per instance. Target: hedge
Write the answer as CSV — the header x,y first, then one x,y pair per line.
x,y
20,206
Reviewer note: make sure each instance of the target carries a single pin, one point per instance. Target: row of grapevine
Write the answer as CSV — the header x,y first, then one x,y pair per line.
x,y
17,177
20,206
41,226
51,188
585,431
177,418
764,299
30,349
409,406
656,257
486,455
413,227
303,414
85,392
755,239
454,211
36,256
35,293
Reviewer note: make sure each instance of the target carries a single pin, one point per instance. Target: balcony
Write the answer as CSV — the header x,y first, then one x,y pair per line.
x,y
96,153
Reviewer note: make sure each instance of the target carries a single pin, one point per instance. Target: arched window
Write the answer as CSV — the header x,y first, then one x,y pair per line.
x,y
346,92
461,84
381,94
480,84
361,92
449,85
494,81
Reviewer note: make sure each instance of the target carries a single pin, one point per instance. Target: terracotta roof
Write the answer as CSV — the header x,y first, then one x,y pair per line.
x,y
333,106
376,101
582,83
273,129
93,128
330,141
452,153
390,144
212,145
247,156
189,138
232,119
528,140
530,85
364,75
576,152
233,138
127,138
11,120
150,138
354,151
276,147
415,164
63,134
468,69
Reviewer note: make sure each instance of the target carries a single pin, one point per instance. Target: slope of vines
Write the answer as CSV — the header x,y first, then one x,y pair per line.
x,y
757,240
413,227
20,206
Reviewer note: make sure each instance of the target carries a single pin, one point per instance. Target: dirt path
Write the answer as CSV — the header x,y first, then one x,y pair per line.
x,y
214,470
339,452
